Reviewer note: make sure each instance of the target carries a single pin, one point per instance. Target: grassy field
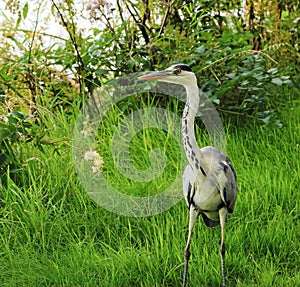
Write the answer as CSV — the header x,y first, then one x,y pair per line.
x,y
53,234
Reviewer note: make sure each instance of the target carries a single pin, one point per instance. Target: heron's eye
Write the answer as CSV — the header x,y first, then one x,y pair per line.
x,y
177,71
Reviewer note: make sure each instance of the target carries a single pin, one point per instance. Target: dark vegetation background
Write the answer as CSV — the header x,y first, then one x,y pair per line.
x,y
246,57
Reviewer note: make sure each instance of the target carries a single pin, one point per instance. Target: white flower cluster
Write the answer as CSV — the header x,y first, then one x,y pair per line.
x,y
96,158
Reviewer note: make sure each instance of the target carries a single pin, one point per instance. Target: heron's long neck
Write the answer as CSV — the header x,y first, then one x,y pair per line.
x,y
191,147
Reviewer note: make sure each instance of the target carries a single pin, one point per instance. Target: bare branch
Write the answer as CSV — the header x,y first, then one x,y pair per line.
x,y
142,26
164,21
74,42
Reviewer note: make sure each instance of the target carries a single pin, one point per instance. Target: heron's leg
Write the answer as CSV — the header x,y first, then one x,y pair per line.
x,y
193,216
223,215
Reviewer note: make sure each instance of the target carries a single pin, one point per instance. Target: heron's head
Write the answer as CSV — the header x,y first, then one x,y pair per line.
x,y
180,74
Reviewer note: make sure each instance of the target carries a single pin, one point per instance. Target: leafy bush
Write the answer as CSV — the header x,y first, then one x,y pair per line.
x,y
214,37
238,80
14,128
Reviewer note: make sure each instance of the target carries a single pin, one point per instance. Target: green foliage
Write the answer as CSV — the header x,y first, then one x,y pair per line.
x,y
210,35
51,231
13,128
238,80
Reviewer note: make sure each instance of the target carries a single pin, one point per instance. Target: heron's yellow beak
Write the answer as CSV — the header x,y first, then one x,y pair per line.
x,y
155,75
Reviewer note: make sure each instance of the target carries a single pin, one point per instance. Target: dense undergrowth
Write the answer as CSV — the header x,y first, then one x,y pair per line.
x,y
53,234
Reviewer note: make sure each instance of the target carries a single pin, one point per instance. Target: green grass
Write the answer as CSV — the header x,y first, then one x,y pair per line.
x,y
53,234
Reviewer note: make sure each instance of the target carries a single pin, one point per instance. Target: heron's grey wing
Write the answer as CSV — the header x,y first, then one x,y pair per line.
x,y
223,174
230,188
189,178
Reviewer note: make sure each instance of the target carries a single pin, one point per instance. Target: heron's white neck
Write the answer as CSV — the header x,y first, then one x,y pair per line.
x,y
191,147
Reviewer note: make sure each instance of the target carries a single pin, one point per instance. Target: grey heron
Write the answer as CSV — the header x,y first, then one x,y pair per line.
x,y
209,180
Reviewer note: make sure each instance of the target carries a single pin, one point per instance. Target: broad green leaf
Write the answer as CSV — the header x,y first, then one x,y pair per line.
x,y
273,71
4,133
277,81
25,10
